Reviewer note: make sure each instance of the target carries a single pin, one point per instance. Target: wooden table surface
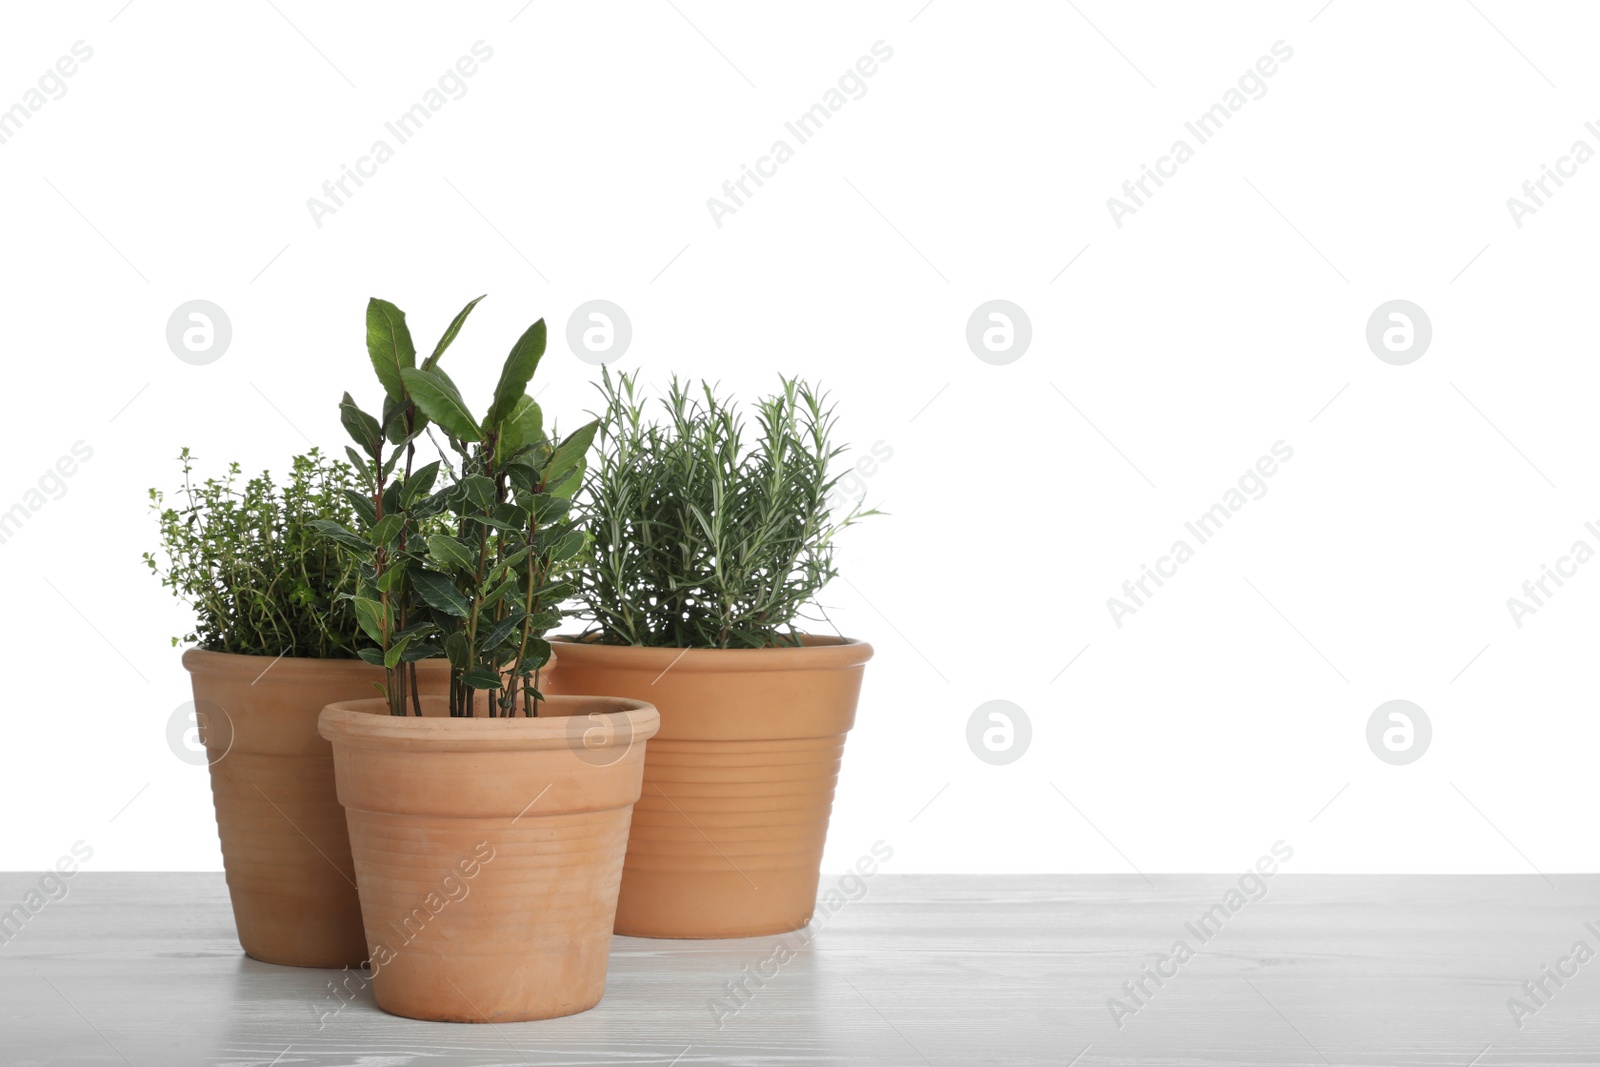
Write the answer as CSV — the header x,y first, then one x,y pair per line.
x,y
923,969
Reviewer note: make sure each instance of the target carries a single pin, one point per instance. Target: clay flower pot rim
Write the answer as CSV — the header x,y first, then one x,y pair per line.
x,y
818,652
204,661
367,723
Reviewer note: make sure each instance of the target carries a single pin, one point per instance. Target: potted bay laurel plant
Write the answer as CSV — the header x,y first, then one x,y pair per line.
x,y
488,824
705,546
274,640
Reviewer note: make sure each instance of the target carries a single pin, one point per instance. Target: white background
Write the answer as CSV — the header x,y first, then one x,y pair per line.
x,y
1222,317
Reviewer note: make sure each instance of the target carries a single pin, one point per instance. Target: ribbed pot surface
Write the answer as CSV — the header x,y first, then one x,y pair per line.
x,y
489,851
738,787
285,846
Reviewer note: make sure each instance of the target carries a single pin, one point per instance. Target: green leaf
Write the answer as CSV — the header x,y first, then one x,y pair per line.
x,y
389,345
440,593
427,507
494,597
387,529
362,503
372,656
505,566
538,655
450,334
452,553
530,422
396,650
393,577
568,486
568,547
502,630
555,591
373,617
490,520
358,463
549,509
550,536
571,451
415,629
478,489
524,426
363,428
419,484
417,652
523,477
394,418
515,514
329,528
439,399
482,678
455,649
544,620
516,373
399,450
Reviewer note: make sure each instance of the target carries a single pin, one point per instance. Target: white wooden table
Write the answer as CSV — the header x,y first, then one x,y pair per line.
x,y
144,969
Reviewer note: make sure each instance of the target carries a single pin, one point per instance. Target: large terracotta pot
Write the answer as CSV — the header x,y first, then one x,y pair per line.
x,y
284,844
489,851
738,784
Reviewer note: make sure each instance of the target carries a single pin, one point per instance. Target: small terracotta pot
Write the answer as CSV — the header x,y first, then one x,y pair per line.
x,y
738,785
489,851
284,844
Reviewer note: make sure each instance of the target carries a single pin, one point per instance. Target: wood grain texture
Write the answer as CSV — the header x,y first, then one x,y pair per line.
x,y
921,970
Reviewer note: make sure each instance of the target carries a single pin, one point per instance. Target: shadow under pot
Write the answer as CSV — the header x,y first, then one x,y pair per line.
x,y
488,851
729,830
284,844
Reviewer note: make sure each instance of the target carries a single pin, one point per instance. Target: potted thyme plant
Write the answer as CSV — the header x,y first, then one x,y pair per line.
x,y
467,556
273,641
704,549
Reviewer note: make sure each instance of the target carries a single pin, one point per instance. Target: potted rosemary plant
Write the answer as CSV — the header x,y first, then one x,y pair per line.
x,y
467,556
273,641
704,549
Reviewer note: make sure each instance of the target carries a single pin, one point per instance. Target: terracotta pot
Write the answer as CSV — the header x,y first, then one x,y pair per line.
x,y
284,844
738,784
489,851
